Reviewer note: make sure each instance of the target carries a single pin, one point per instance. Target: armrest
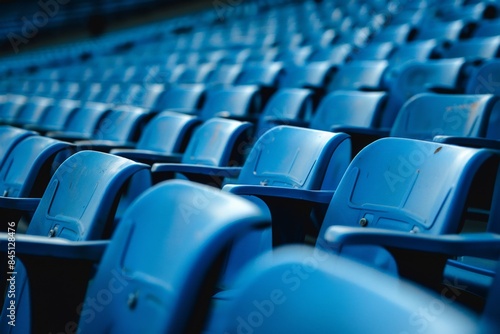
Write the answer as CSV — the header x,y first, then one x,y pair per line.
x,y
20,204
357,130
485,245
474,142
102,145
316,196
54,247
196,169
149,157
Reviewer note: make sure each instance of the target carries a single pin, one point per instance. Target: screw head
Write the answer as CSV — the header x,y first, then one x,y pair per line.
x,y
363,222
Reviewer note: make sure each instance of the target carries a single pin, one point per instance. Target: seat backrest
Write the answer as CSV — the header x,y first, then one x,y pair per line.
x,y
375,51
334,54
359,75
167,132
387,186
10,137
239,101
25,162
445,31
121,124
413,77
485,79
349,108
295,157
260,74
310,75
11,106
296,289
56,116
168,281
188,97
213,142
398,34
33,109
427,115
474,48
81,197
84,120
487,28
286,106
415,50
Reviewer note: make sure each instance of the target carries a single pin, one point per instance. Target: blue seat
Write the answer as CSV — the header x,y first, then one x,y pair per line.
x,y
82,122
224,74
297,289
314,75
32,111
181,289
238,102
334,54
487,28
288,106
359,75
428,115
479,48
78,204
181,98
485,79
55,117
394,196
415,50
217,143
163,139
444,31
397,34
26,171
295,55
10,105
375,51
362,115
196,74
119,127
260,74
10,137
413,77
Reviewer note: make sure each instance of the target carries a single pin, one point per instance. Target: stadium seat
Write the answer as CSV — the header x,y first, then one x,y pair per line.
x,y
32,111
359,75
82,123
427,115
297,289
26,171
485,79
163,139
362,115
215,145
192,271
238,102
55,116
118,128
314,75
395,196
78,204
181,98
288,106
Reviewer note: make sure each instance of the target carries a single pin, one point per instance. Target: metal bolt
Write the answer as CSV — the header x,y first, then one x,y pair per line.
x,y
363,222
